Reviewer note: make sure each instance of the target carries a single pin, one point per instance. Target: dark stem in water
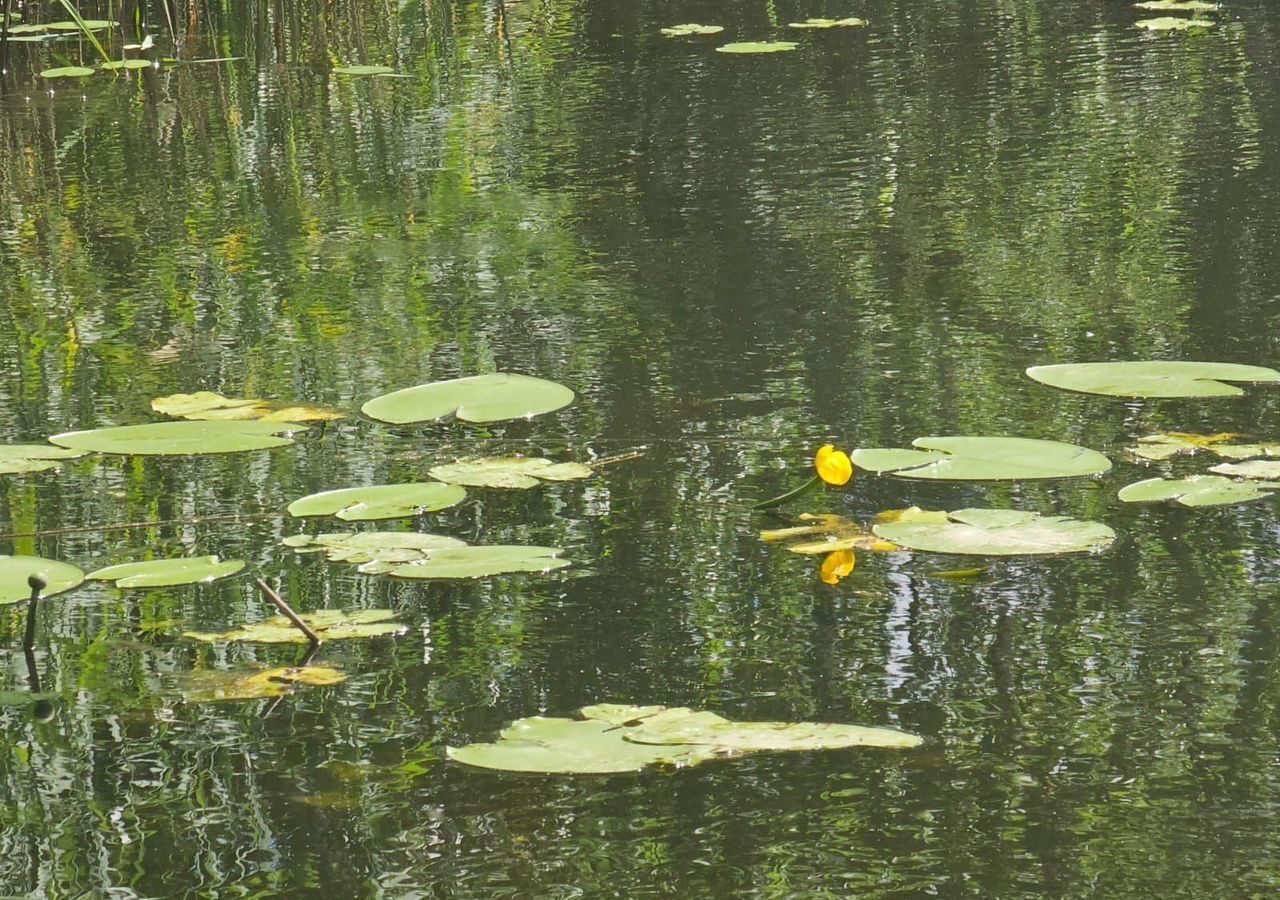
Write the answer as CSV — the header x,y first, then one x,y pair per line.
x,y
288,612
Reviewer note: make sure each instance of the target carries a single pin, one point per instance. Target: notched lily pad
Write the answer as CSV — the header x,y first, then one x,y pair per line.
x,y
827,533
210,406
758,47
984,459
15,570
1172,23
219,686
509,472
479,398
18,459
993,532
1153,379
850,22
328,624
379,501
180,438
168,572
1257,469
1195,490
691,29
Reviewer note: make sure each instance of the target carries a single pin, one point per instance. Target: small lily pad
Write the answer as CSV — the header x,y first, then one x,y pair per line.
x,y
1259,469
180,438
363,70
15,570
115,64
1184,6
216,686
1195,490
1153,379
691,29
1172,23
758,47
67,72
329,625
209,406
993,532
826,534
984,459
509,472
18,459
479,398
379,501
168,572
828,23
90,24
1246,451
481,561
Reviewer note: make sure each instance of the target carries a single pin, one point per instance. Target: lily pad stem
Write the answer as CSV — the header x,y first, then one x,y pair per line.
x,y
37,584
789,495
288,612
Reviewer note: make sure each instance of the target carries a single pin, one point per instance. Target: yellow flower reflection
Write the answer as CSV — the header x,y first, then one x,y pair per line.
x,y
834,466
836,566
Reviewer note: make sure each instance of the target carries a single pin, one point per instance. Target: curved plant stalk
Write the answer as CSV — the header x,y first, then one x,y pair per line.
x,y
87,32
789,495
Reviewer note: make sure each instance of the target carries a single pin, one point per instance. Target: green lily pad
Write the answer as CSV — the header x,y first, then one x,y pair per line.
x,y
508,472
1259,469
690,29
1153,379
480,562
1164,446
216,686
367,547
993,532
27,29
479,398
15,570
758,47
1195,490
1186,6
180,438
612,739
983,459
828,23
90,24
168,572
1245,451
379,501
826,534
67,72
1172,23
18,459
328,624
207,406
114,64
363,70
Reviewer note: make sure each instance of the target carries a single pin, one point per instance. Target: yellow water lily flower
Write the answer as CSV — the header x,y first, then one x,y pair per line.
x,y
834,466
836,566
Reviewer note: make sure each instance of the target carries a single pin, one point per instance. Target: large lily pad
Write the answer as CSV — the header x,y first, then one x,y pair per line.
x,y
1182,6
691,28
367,547
850,22
1195,490
480,398
1262,469
180,438
328,624
379,501
220,685
15,570
1153,379
758,47
984,459
480,562
1172,23
22,458
168,572
509,471
414,555
993,532
210,406
612,739
827,533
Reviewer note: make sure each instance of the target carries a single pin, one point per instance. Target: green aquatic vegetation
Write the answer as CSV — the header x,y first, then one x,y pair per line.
x,y
1172,23
363,70
422,556
66,72
984,459
758,47
168,572
479,398
16,572
826,533
18,459
992,532
850,22
1195,490
691,29
210,406
1258,469
227,685
80,25
328,624
180,438
509,472
481,562
111,65
1153,379
1186,6
1246,451
379,501
611,739
1163,446
366,547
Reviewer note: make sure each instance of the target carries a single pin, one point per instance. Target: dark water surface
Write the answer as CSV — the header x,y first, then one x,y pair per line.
x,y
732,260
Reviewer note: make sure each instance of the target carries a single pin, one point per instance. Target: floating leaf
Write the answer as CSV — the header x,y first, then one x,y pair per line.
x,y
180,438
207,405
67,72
22,458
1172,23
684,726
758,47
366,547
984,459
82,25
379,501
363,70
1245,451
168,572
837,565
1264,469
15,570
222,686
481,561
509,472
828,23
1195,490
831,532
1186,6
480,398
26,29
994,532
686,30
1153,379
114,64
1163,446
328,624
833,466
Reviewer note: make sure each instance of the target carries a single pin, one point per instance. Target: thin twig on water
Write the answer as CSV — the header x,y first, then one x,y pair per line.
x,y
288,612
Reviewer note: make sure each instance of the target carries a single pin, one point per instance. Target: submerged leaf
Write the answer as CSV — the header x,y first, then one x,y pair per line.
x,y
22,458
994,532
15,570
1163,446
180,438
1195,490
828,533
508,472
984,459
1172,23
379,501
1153,379
329,625
168,572
758,47
223,686
480,398
1264,469
828,23
208,406
690,29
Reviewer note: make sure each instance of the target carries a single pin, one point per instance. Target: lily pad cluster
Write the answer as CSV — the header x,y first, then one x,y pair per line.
x,y
208,405
762,47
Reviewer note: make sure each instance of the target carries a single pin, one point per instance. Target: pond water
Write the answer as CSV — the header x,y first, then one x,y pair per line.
x,y
731,260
